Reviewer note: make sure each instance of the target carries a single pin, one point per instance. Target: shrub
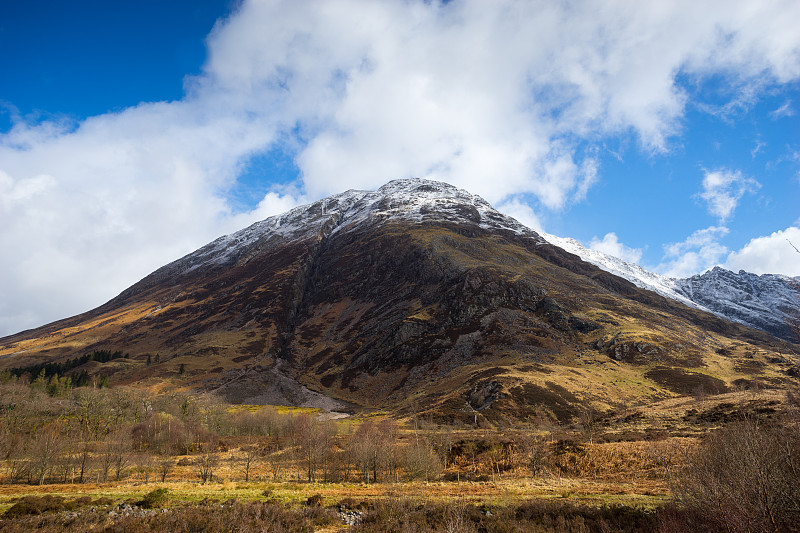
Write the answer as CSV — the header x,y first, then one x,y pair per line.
x,y
399,515
745,477
155,498
314,501
35,505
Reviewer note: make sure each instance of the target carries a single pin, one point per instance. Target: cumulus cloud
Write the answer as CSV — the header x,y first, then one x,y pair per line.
x,y
769,254
610,245
469,89
698,252
500,98
522,212
722,190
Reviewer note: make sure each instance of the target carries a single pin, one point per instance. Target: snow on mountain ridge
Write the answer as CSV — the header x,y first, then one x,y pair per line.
x,y
770,302
413,199
422,200
632,272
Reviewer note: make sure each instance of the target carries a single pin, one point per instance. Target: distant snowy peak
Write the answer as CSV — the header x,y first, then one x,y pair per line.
x,y
769,302
640,277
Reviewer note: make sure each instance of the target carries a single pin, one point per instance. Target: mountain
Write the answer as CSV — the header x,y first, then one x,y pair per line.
x,y
415,297
769,302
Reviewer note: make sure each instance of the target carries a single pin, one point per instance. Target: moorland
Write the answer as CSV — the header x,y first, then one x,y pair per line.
x,y
123,459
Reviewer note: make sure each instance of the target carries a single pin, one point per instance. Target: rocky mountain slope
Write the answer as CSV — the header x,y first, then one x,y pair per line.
x,y
415,297
769,302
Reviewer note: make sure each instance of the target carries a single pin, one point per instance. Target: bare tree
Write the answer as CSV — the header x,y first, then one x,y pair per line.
x,y
537,452
46,449
315,441
16,457
326,434
145,464
122,405
498,455
588,422
207,461
84,448
272,453
746,477
92,410
69,460
252,456
165,466
120,443
305,438
443,442
363,449
269,421
421,461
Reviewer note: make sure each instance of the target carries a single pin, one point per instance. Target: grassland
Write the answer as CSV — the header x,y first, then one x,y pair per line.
x,y
619,468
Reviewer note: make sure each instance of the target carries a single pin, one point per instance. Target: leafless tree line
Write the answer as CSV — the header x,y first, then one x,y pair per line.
x,y
98,435
93,434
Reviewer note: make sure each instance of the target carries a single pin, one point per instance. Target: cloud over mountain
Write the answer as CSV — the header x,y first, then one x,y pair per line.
x,y
505,99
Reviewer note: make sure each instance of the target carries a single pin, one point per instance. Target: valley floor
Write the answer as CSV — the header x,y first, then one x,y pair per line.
x,y
112,506
179,462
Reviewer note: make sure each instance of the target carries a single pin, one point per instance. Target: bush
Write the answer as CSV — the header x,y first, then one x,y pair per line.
x,y
744,477
400,515
314,501
155,498
35,505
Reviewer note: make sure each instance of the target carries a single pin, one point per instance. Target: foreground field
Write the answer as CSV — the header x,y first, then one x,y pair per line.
x,y
647,495
549,503
388,516
122,460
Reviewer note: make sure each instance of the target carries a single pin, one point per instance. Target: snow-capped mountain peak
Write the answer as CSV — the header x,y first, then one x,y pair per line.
x,y
423,200
770,302
409,200
766,302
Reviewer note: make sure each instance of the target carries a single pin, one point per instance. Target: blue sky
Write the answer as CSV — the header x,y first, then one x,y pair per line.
x,y
132,133
93,56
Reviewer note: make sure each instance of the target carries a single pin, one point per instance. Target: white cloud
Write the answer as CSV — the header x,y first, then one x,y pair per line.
x,y
774,253
522,212
495,97
700,251
473,88
786,110
274,203
757,148
722,190
610,245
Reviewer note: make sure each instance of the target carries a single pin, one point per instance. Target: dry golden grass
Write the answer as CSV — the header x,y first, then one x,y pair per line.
x,y
627,473
646,493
